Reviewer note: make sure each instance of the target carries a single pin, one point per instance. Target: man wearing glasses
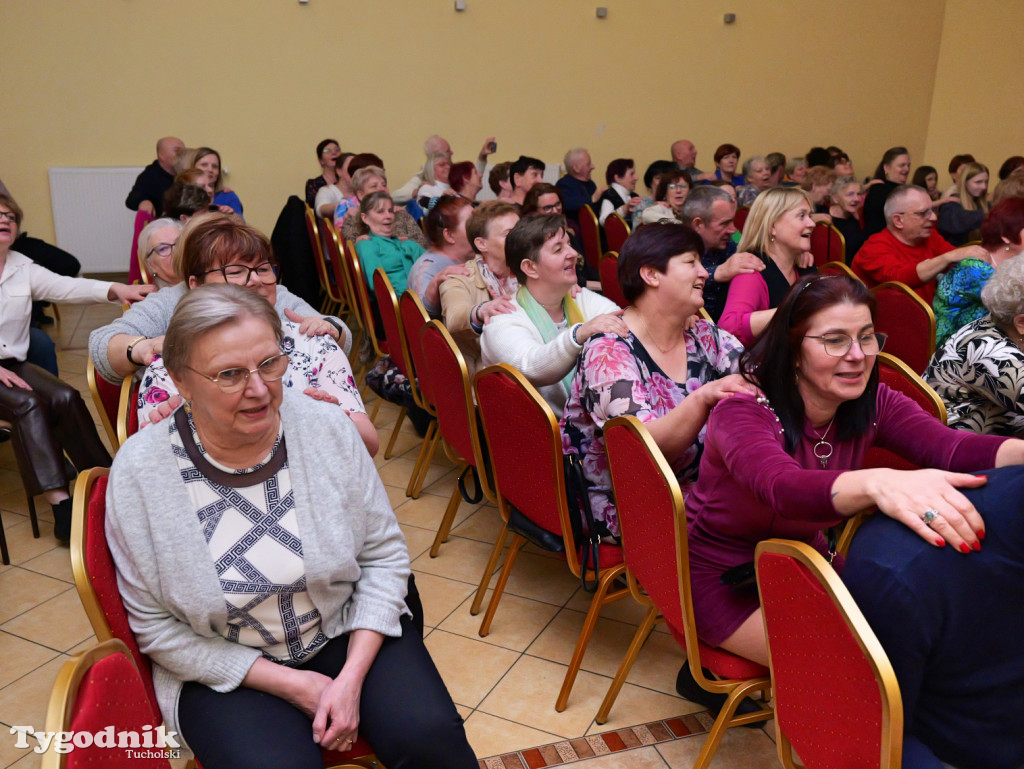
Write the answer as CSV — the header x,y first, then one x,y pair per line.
x,y
909,249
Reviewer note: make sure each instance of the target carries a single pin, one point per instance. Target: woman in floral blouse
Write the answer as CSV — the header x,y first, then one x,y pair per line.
x,y
653,371
958,296
979,373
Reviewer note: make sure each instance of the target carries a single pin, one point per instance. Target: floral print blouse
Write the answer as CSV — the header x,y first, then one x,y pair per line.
x,y
958,297
979,374
616,376
315,361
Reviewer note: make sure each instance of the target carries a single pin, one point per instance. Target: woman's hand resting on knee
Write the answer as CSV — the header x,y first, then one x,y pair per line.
x,y
336,723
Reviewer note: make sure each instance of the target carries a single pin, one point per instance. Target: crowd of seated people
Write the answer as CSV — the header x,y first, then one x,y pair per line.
x,y
765,412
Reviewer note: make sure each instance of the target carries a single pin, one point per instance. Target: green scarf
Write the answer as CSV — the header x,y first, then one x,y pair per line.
x,y
548,330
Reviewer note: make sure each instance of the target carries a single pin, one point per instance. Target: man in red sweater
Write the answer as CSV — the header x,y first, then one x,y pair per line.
x,y
909,249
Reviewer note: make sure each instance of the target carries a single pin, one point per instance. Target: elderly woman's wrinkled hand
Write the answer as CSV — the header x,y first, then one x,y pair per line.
x,y
311,325
609,323
928,502
500,306
147,349
319,395
336,723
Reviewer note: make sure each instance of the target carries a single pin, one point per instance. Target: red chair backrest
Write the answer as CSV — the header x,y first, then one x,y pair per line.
x,y
134,270
414,319
608,271
616,231
111,692
827,244
106,396
524,444
741,217
655,548
909,322
837,268
318,248
387,303
830,720
590,233
99,566
333,249
359,287
453,395
897,375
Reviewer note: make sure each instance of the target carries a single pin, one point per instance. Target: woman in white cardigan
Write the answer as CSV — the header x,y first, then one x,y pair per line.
x,y
545,334
262,568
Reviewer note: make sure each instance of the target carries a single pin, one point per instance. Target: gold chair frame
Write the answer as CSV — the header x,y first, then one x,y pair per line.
x,y
829,581
94,390
841,268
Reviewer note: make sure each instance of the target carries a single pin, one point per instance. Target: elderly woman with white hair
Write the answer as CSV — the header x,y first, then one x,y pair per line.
x,y
156,249
435,176
758,174
979,372
372,179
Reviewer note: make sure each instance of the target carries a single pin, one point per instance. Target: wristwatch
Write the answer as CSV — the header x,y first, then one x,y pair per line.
x,y
131,346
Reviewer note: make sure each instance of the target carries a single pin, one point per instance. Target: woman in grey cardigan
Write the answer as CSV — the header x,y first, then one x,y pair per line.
x,y
268,593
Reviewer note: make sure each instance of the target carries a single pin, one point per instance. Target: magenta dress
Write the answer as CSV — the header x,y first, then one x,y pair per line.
x,y
749,489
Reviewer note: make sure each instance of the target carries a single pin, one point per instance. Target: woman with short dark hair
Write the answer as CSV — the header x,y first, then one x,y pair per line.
x,y
666,375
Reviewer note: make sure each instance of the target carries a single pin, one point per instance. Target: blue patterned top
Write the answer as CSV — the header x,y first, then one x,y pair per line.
x,y
958,297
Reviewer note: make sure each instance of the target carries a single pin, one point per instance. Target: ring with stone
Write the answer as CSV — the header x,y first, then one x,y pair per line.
x,y
928,516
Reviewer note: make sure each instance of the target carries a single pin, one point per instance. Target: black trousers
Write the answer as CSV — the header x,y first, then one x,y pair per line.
x,y
405,713
48,420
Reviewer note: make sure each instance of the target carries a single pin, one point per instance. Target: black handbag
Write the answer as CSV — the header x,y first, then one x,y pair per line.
x,y
588,541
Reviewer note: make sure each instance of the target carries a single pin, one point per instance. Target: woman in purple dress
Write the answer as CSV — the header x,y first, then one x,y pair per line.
x,y
787,463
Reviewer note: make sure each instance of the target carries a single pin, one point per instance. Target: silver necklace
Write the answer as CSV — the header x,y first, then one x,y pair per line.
x,y
823,449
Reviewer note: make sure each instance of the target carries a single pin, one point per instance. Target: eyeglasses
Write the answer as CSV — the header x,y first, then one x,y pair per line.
x,y
679,186
923,214
231,380
163,249
239,274
555,208
9,216
838,345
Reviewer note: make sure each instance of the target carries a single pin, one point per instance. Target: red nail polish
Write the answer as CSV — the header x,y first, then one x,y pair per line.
x,y
940,542
981,535
964,547
976,547
982,477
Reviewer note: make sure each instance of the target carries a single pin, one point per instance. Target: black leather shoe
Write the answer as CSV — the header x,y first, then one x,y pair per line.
x,y
62,521
687,686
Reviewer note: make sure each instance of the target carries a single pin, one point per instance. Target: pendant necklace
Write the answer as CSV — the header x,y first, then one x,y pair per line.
x,y
823,449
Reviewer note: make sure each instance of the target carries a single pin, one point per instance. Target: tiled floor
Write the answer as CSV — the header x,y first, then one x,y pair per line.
x,y
504,685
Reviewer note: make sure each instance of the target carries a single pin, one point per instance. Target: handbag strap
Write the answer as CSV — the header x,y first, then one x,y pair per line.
x,y
478,493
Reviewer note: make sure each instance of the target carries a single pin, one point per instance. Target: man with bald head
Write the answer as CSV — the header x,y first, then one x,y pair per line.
x,y
578,187
909,249
684,155
438,145
148,193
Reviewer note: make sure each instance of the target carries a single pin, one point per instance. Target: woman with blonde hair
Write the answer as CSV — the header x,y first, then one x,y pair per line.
x,y
964,214
778,230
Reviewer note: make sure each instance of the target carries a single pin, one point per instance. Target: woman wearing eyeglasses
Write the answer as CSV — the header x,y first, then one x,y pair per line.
x,y
669,196
216,248
46,416
263,570
156,251
787,462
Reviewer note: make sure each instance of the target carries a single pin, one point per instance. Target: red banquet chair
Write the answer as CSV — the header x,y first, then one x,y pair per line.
x,y
742,212
134,267
106,397
836,268
127,410
656,551
398,348
909,322
608,271
590,235
852,719
616,232
446,370
96,581
827,244
328,303
525,447
100,688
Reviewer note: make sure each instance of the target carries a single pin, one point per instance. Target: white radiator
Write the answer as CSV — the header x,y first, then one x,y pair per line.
x,y
90,217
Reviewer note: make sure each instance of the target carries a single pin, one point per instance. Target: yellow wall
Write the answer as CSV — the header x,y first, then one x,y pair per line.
x,y
977,105
95,83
